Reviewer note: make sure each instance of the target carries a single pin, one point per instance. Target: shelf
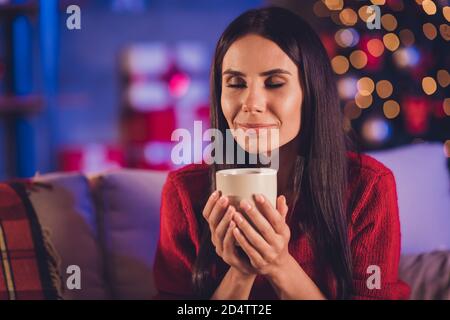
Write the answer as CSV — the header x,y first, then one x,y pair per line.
x,y
11,10
17,105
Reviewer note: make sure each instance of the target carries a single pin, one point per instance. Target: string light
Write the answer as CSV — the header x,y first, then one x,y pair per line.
x,y
340,64
384,89
443,78
375,47
407,37
391,41
363,101
429,31
365,86
391,109
389,22
348,17
429,85
358,59
429,7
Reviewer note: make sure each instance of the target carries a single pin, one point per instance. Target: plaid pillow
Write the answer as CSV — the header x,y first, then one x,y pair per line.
x,y
25,262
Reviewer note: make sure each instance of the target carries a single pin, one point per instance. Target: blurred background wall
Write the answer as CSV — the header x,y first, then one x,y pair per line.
x,y
111,93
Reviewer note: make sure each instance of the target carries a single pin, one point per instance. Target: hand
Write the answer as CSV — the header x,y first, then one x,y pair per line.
x,y
219,216
267,248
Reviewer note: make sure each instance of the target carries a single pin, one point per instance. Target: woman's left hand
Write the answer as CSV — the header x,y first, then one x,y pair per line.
x,y
267,248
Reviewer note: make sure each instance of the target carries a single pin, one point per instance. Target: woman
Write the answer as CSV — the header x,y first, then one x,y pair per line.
x,y
334,233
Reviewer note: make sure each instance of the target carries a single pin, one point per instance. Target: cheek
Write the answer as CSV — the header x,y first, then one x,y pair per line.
x,y
229,108
290,116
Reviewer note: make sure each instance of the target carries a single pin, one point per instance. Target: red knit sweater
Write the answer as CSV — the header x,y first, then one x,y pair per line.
x,y
374,234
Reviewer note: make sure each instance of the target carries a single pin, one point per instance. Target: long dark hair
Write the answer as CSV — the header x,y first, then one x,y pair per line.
x,y
321,166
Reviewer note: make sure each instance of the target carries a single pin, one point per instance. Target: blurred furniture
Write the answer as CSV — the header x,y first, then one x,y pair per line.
x,y
108,225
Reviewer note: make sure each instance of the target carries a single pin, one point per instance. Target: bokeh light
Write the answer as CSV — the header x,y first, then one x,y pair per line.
x,y
363,101
347,88
447,106
346,37
351,110
320,9
443,78
340,64
376,130
375,47
334,4
407,57
391,41
389,22
348,17
364,13
378,2
447,148
365,86
358,59
429,7
444,29
429,85
429,30
384,89
407,37
391,109
446,13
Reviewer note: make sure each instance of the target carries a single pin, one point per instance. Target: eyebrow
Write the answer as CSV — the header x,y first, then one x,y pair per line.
x,y
265,73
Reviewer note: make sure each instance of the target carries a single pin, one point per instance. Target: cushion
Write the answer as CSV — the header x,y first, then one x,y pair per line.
x,y
66,211
428,275
423,188
129,204
27,268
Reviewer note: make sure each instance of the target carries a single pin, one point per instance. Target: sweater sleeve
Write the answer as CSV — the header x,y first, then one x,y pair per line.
x,y
175,253
375,243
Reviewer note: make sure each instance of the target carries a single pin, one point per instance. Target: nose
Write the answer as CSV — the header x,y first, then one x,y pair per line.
x,y
254,102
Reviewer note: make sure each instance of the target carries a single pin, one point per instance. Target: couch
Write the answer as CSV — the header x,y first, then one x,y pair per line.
x,y
107,225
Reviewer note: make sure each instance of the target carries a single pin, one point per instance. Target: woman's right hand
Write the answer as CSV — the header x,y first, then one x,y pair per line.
x,y
219,215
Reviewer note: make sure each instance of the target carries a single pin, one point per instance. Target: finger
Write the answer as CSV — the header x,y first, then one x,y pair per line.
x,y
251,252
217,212
282,206
274,217
251,234
223,225
260,222
229,249
210,204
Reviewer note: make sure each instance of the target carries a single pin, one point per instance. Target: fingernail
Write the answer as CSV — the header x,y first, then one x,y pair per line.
x,y
245,205
260,198
238,217
232,225
214,195
223,200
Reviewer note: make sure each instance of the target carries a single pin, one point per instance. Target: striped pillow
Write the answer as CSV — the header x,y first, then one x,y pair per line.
x,y
27,269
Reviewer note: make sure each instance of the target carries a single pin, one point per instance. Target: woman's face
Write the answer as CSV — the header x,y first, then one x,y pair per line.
x,y
260,89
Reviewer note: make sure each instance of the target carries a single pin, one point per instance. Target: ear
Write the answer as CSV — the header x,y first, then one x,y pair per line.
x,y
282,206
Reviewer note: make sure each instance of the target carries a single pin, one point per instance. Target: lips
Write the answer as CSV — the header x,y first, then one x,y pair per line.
x,y
256,126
